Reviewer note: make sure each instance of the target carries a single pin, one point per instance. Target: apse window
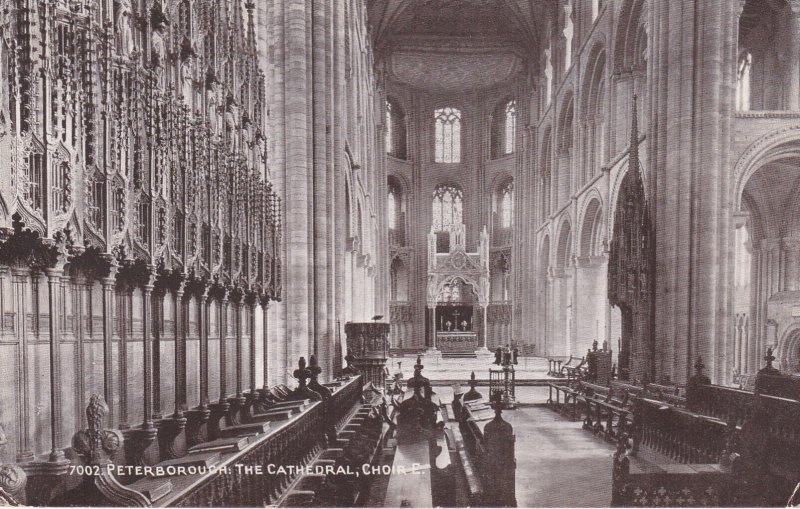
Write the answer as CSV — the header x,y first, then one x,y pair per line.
x,y
388,127
511,126
395,141
391,208
506,205
743,82
448,135
448,204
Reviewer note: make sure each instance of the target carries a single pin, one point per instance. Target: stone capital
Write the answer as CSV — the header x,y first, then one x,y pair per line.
x,y
54,273
20,272
741,219
770,244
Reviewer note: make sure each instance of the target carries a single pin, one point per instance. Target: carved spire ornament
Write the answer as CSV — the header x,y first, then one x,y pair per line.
x,y
631,267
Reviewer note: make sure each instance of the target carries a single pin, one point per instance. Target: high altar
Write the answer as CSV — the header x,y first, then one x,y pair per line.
x,y
458,294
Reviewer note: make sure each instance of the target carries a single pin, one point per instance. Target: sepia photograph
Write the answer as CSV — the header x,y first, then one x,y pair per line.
x,y
400,253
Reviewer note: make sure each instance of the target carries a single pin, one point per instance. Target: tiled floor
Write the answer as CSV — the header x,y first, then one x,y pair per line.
x,y
558,463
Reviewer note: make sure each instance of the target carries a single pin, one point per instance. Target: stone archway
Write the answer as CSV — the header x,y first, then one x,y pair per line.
x,y
789,351
765,274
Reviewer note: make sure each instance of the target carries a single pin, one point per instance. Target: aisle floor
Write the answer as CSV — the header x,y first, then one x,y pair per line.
x,y
559,464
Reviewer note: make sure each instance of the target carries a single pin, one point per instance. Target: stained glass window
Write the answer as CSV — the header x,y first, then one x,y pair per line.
x,y
395,141
743,82
389,127
391,208
511,126
448,135
447,208
506,205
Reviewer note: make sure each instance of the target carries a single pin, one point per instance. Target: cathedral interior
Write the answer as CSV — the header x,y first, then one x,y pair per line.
x,y
253,252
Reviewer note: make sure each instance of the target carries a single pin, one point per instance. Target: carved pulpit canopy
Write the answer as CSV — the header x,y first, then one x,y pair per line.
x,y
367,339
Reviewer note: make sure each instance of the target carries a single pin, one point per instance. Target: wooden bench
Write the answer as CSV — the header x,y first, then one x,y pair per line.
x,y
672,394
606,410
572,395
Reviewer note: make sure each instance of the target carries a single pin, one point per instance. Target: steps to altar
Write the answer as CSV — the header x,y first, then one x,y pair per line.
x,y
442,370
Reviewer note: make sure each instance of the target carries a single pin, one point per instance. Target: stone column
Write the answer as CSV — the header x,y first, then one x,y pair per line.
x,y
181,324
321,264
485,311
265,334
19,278
791,247
147,323
53,287
125,307
689,106
223,347
340,164
432,326
156,321
252,324
237,324
108,283
793,49
299,285
202,320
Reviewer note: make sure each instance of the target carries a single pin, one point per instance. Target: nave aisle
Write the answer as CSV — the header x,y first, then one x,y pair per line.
x,y
558,463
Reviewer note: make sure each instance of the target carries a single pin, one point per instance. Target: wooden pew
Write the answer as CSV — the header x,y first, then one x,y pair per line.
x,y
489,446
572,396
293,441
332,482
670,457
728,447
672,394
607,409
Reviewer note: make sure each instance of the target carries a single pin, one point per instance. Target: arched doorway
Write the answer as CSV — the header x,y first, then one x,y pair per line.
x,y
766,269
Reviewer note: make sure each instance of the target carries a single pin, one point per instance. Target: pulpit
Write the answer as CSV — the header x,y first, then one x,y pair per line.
x,y
368,346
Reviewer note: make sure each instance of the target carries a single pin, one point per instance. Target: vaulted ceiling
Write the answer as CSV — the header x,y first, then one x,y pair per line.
x,y
457,45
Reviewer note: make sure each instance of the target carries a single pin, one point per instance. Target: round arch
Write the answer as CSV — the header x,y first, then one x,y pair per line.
x,y
591,228
789,349
544,255
769,148
564,247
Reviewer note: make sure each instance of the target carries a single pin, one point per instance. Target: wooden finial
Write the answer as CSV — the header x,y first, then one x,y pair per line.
x,y
699,366
95,444
769,357
302,373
